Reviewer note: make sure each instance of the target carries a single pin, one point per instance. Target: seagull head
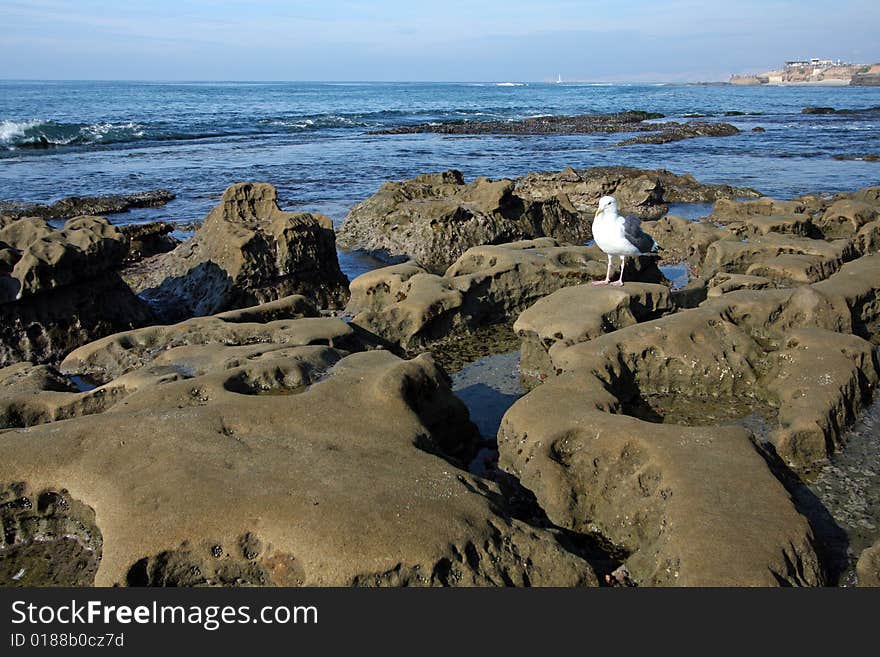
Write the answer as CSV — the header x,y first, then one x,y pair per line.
x,y
605,203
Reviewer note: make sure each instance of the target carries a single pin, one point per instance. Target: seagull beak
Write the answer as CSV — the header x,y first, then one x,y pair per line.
x,y
598,212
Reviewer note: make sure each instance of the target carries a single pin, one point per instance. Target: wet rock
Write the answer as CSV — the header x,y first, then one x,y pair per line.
x,y
859,157
631,121
350,479
868,567
434,218
679,131
410,308
48,538
580,313
76,206
246,252
145,240
59,287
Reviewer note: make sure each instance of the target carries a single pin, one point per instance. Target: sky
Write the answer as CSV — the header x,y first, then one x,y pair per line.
x,y
452,40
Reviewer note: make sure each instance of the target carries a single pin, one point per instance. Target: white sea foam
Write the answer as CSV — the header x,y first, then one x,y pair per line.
x,y
10,131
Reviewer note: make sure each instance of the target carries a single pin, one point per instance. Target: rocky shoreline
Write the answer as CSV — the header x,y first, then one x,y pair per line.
x,y
266,421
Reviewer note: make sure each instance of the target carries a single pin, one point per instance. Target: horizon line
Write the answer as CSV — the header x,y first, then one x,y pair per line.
x,y
547,81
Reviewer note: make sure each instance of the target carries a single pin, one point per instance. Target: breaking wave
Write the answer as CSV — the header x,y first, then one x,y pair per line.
x,y
37,133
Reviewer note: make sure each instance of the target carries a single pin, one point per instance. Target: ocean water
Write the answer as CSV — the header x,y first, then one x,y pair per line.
x,y
311,141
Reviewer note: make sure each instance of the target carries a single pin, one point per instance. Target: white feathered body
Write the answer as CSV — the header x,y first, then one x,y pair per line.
x,y
608,232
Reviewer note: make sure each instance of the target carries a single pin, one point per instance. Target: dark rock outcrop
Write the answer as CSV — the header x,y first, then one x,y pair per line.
x,y
246,251
632,121
679,131
145,240
75,206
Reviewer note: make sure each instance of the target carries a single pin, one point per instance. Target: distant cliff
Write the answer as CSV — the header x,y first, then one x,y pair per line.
x,y
812,74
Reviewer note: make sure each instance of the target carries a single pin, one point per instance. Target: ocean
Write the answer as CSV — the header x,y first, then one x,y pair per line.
x,y
310,139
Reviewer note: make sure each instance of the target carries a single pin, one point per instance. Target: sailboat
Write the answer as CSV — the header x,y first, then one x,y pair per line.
x,y
559,79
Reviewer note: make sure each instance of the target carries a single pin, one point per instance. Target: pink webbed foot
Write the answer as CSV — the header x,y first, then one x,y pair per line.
x,y
605,282
617,283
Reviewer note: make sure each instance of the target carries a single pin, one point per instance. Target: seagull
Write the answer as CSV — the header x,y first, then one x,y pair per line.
x,y
619,236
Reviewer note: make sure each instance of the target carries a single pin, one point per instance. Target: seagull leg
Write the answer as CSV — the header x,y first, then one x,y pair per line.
x,y
619,281
607,275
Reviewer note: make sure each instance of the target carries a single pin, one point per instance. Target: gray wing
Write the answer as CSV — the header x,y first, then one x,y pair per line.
x,y
632,230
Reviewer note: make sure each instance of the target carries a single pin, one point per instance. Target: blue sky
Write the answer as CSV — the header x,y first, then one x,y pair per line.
x,y
626,40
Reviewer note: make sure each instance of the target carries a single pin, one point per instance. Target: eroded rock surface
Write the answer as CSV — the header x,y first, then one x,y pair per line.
x,y
410,308
283,462
247,251
580,313
59,287
868,567
645,436
434,218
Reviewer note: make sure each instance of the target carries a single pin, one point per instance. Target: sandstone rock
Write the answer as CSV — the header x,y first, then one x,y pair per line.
x,y
723,283
580,313
686,506
644,193
854,291
237,470
643,438
249,333
743,353
868,566
793,224
45,258
247,251
410,308
846,217
819,258
870,195
819,369
685,241
59,288
868,238
435,218
725,211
